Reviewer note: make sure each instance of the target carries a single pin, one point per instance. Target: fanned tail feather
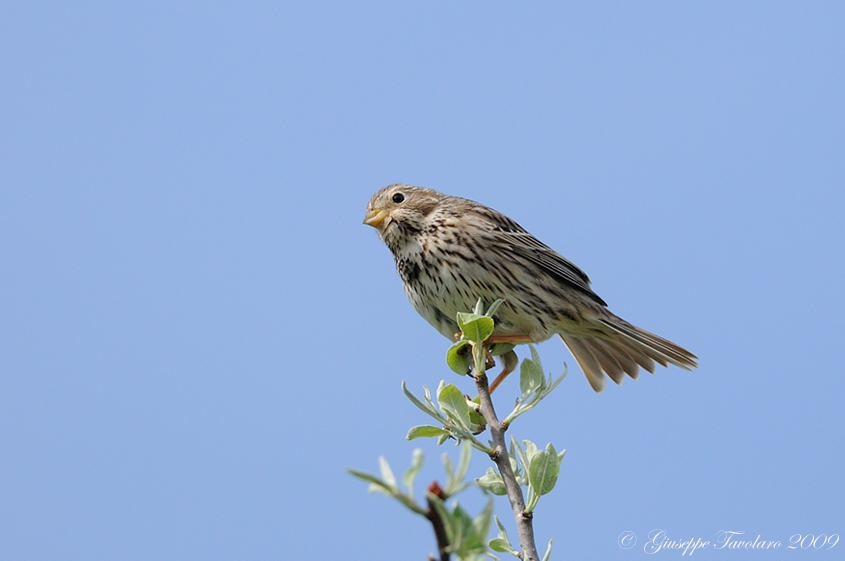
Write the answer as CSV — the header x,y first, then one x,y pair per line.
x,y
586,360
621,348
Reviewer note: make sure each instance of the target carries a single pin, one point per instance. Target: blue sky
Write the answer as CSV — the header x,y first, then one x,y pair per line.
x,y
198,335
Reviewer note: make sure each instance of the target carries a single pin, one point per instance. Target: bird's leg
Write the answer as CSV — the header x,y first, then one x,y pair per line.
x,y
516,339
489,363
509,359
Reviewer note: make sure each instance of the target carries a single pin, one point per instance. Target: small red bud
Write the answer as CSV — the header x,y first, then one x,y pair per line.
x,y
435,490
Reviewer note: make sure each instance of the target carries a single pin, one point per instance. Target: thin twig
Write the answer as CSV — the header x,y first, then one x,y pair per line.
x,y
524,520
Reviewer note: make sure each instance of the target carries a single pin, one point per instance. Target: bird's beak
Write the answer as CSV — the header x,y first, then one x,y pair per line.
x,y
375,217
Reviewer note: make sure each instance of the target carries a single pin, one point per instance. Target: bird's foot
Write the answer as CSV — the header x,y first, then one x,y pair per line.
x,y
510,361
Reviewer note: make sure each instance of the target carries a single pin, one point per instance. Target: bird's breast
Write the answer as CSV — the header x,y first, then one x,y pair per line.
x,y
409,269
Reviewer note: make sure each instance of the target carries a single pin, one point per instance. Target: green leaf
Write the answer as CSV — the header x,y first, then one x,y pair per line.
x,y
453,403
475,328
530,449
387,474
520,453
445,515
530,400
459,358
422,431
465,318
493,307
492,481
380,486
535,357
501,546
368,477
462,542
503,533
440,387
426,407
448,466
515,466
481,526
417,458
455,478
467,537
376,484
530,378
463,462
548,551
543,470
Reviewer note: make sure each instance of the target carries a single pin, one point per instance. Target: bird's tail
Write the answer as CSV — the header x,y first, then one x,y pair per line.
x,y
618,348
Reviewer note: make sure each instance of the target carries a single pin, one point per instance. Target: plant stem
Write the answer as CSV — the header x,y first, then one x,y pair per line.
x,y
433,516
524,520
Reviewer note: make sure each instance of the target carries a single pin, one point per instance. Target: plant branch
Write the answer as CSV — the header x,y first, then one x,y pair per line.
x,y
499,454
434,517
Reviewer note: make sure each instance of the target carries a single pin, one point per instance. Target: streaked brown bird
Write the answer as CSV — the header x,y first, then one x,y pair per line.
x,y
451,251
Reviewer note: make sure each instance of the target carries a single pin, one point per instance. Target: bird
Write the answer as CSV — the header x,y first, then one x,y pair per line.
x,y
450,252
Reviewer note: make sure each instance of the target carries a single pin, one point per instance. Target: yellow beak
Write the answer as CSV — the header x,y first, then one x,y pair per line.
x,y
375,217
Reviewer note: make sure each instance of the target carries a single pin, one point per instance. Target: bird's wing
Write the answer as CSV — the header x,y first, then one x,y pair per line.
x,y
552,262
511,236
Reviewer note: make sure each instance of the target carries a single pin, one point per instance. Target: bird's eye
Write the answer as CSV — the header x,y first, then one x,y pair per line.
x,y
398,198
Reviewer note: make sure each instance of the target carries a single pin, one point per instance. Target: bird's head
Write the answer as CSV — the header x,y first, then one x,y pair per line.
x,y
400,210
